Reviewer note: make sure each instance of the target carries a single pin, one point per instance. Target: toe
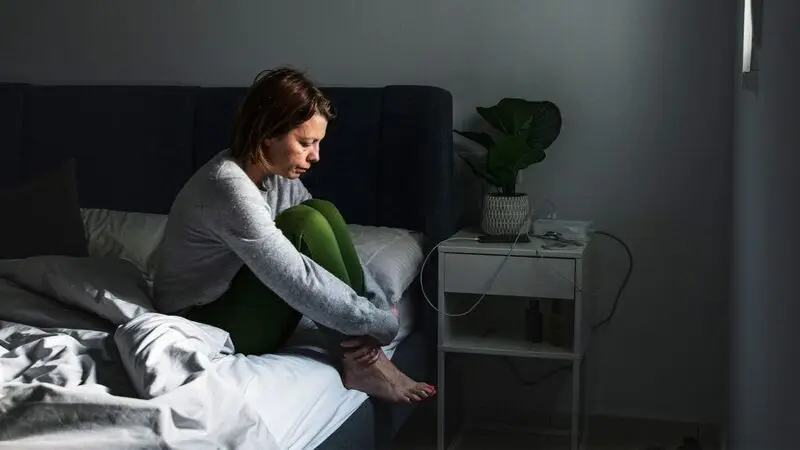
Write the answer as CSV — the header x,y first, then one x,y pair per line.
x,y
413,397
423,391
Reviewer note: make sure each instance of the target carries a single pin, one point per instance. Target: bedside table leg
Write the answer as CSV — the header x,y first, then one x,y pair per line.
x,y
576,432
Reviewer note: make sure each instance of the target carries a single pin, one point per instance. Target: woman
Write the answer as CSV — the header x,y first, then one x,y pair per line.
x,y
248,250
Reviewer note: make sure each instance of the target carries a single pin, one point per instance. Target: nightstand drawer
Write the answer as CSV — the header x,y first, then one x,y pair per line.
x,y
520,276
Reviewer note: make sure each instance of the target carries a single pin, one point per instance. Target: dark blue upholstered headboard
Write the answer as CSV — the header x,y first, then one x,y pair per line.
x,y
387,159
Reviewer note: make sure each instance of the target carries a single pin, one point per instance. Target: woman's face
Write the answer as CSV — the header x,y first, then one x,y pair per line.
x,y
292,154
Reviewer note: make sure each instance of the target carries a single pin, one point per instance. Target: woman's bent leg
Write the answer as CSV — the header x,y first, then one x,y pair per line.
x,y
256,318
381,378
344,241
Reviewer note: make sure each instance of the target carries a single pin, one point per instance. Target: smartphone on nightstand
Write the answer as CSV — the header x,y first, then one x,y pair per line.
x,y
503,239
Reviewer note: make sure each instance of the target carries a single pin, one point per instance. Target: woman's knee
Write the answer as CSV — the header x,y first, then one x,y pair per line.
x,y
326,208
300,218
320,205
306,227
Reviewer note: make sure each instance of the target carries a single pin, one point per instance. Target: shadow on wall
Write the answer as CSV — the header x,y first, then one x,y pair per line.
x,y
469,189
469,194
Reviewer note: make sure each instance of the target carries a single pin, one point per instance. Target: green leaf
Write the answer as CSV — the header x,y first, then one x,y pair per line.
x,y
510,154
527,129
545,125
480,171
502,158
510,115
481,138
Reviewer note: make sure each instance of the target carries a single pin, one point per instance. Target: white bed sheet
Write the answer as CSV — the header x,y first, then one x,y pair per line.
x,y
299,396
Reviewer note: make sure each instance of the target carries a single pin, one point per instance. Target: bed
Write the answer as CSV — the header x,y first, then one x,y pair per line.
x,y
87,177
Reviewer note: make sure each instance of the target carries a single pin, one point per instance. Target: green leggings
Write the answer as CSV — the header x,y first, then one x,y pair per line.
x,y
256,318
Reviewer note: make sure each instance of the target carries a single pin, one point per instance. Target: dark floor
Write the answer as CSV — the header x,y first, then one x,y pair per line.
x,y
604,433
419,432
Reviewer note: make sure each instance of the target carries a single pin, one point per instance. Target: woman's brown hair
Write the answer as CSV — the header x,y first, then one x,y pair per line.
x,y
278,101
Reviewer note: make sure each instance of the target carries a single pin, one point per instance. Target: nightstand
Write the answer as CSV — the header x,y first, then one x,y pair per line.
x,y
533,271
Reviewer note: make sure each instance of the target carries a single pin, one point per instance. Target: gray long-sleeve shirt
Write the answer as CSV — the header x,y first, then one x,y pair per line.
x,y
221,220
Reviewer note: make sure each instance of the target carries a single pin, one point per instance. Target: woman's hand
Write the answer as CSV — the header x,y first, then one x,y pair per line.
x,y
364,350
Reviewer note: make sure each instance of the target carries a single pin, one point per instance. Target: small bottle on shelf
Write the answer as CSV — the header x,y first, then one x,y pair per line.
x,y
533,322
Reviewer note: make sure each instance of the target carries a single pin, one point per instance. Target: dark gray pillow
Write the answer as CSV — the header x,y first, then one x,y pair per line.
x,y
42,216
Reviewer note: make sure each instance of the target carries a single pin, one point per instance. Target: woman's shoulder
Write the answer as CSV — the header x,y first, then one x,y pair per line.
x,y
221,165
220,168
219,177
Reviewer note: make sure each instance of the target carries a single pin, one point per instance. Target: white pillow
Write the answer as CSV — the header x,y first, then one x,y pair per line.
x,y
392,255
132,236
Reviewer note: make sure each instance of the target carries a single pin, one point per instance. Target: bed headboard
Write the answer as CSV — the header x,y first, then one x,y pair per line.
x,y
387,159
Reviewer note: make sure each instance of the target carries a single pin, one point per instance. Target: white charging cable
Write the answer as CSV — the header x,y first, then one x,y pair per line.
x,y
522,231
542,257
489,284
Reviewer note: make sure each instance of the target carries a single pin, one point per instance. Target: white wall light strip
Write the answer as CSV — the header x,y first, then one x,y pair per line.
x,y
747,37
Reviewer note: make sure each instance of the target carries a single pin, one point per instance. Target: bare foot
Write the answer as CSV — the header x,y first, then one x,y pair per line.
x,y
382,379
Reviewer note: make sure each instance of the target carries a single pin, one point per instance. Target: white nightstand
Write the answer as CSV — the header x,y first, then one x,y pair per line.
x,y
467,267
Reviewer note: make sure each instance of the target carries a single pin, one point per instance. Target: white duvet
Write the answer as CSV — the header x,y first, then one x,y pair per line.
x,y
86,363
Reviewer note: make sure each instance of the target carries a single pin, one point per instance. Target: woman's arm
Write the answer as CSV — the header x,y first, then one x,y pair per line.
x,y
240,218
373,292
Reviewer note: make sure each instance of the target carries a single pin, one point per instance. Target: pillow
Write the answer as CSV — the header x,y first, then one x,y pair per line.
x,y
22,305
392,255
42,216
132,236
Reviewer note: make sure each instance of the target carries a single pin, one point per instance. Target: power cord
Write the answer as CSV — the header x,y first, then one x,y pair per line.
x,y
624,281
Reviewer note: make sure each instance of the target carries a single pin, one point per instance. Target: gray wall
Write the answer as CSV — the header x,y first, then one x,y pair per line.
x,y
645,152
765,332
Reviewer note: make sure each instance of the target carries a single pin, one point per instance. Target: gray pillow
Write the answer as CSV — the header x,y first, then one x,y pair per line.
x,y
392,255
42,216
109,287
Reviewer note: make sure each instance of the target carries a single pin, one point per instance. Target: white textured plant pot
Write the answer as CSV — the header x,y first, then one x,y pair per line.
x,y
505,214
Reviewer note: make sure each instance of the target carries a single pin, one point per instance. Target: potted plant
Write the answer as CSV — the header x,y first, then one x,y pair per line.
x,y
523,129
